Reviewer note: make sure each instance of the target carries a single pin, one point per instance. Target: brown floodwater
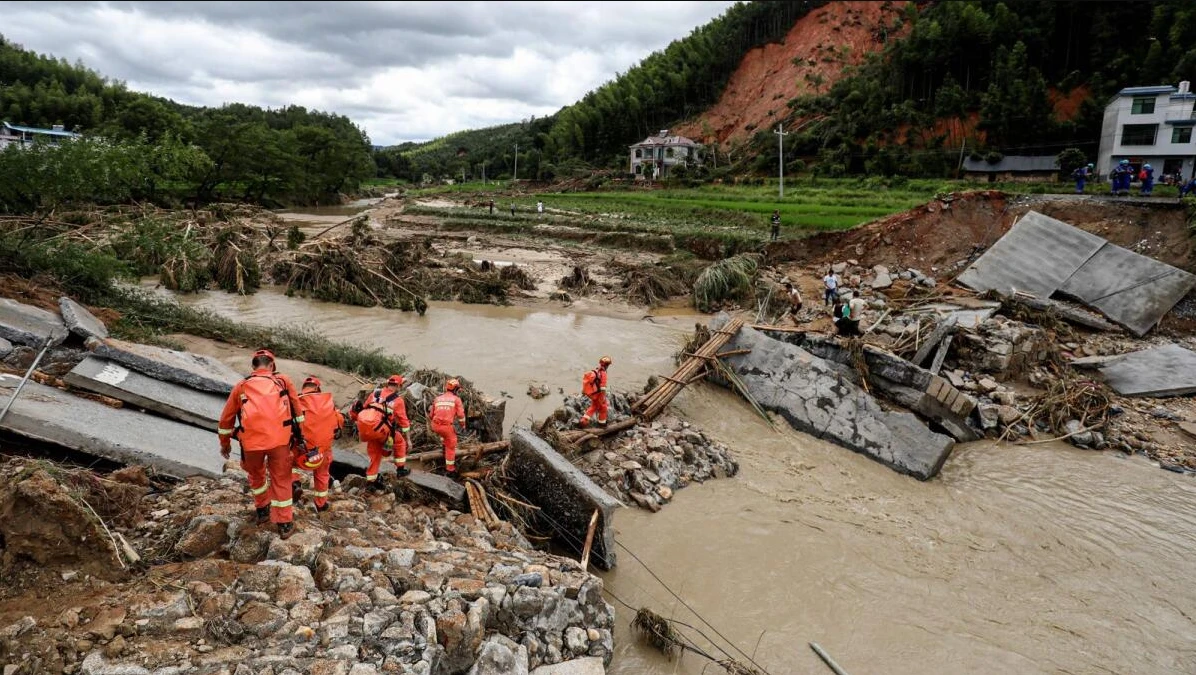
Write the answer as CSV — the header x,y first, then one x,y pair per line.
x,y
1017,559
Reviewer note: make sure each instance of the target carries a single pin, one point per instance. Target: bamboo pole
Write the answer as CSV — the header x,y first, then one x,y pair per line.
x,y
654,402
585,550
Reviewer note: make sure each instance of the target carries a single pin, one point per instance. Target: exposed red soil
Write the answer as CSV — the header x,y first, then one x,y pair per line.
x,y
813,56
1067,106
943,235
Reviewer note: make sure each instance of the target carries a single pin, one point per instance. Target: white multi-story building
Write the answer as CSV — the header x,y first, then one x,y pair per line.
x,y
12,134
1149,125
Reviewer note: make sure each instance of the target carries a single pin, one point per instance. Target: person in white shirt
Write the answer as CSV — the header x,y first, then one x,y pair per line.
x,y
539,207
832,287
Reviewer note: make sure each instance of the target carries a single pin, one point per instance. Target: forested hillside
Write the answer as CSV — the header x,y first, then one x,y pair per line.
x,y
1012,76
289,155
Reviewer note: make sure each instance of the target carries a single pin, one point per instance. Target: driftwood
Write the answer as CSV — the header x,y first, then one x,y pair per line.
x,y
585,550
464,451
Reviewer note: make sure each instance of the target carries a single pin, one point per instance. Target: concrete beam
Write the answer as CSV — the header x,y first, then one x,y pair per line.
x,y
198,372
197,408
54,416
441,487
812,396
23,324
566,496
80,321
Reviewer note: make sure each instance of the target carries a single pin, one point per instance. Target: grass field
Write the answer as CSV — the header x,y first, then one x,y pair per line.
x,y
701,219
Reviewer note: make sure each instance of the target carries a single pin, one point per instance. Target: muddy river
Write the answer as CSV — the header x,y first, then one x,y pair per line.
x,y
1030,559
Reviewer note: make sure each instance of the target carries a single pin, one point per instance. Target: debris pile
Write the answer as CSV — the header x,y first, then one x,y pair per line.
x,y
369,586
645,464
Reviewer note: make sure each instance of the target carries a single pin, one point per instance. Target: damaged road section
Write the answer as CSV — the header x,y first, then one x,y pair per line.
x,y
816,399
1169,370
1041,255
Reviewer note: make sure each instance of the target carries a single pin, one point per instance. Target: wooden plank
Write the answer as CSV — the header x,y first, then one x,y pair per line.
x,y
945,326
941,354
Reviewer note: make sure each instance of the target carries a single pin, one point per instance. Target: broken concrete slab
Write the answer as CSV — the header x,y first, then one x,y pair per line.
x,y
119,434
23,324
1129,288
1158,372
567,497
198,372
1036,256
5,348
933,398
1067,312
587,665
1188,428
197,408
815,399
80,321
441,487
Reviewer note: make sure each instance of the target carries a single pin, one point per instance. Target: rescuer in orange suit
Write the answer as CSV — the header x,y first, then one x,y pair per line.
x,y
262,413
593,385
382,423
322,423
447,409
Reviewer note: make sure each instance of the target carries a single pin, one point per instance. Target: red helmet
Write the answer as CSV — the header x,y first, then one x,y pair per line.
x,y
395,381
264,352
312,381
312,460
452,385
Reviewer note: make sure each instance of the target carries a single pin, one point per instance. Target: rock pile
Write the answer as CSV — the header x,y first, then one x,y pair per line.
x,y
370,586
647,463
1002,347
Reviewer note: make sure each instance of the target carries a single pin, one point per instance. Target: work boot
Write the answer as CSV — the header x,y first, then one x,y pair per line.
x,y
450,469
375,485
285,530
296,491
263,515
402,471
585,422
602,424
321,508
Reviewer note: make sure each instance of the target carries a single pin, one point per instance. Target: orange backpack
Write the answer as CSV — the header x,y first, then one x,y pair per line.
x,y
374,421
265,412
590,382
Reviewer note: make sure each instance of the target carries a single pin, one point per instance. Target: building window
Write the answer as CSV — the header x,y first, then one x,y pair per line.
x,y
638,153
1181,135
1143,105
668,152
1138,134
639,168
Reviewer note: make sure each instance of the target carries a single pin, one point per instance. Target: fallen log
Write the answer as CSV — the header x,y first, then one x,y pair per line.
x,y
465,451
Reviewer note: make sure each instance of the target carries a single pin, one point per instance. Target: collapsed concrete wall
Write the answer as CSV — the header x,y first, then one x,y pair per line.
x,y
565,495
1002,347
815,398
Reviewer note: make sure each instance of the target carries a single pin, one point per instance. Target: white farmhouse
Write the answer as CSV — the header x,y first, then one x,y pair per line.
x,y
1149,125
653,157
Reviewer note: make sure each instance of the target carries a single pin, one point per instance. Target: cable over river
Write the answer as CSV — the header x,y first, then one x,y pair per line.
x,y
1016,559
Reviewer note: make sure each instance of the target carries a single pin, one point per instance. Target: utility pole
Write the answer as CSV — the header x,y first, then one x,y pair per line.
x,y
516,161
483,172
781,134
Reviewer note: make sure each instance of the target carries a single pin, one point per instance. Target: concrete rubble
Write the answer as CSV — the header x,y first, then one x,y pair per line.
x,y
371,586
22,324
192,370
1041,256
1169,370
80,321
197,408
815,398
567,497
53,416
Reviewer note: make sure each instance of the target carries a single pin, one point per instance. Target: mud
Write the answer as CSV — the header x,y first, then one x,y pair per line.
x,y
1017,559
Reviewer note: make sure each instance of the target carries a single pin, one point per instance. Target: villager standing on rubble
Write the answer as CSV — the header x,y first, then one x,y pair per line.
x,y
322,423
382,423
795,302
593,385
447,411
775,223
831,281
262,413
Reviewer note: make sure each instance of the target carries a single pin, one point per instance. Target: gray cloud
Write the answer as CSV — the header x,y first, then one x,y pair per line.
x,y
403,70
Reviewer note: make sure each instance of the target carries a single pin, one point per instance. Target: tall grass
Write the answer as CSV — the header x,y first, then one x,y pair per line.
x,y
728,280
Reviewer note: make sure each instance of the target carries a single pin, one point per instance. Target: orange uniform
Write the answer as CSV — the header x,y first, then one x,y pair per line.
x,y
259,413
593,385
321,421
446,409
395,418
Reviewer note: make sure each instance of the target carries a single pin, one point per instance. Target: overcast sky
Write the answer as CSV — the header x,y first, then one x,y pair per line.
x,y
403,70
